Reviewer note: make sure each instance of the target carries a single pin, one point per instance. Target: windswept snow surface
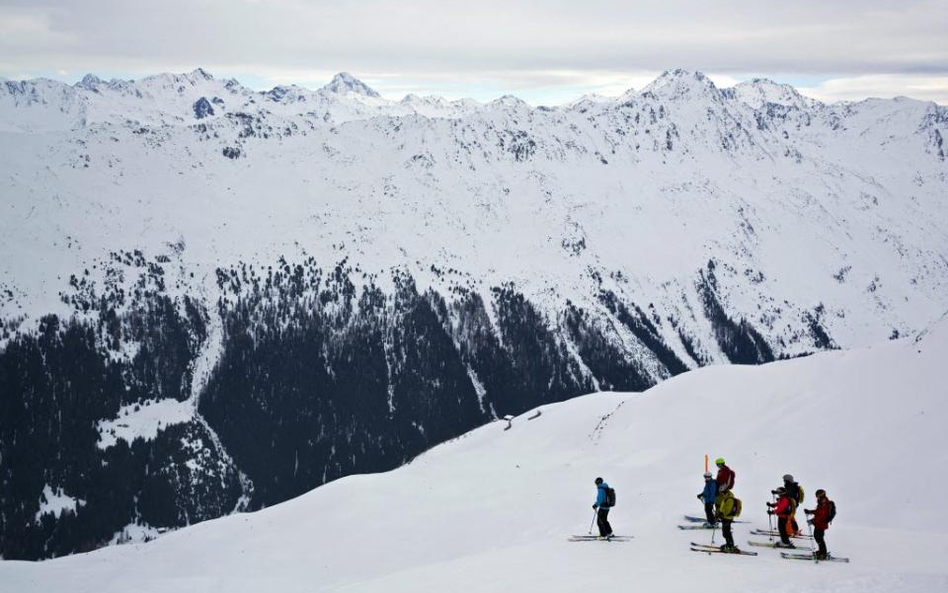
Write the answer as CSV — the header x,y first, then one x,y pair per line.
x,y
492,510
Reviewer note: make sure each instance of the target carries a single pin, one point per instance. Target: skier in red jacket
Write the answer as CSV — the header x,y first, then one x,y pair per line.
x,y
725,477
823,514
783,508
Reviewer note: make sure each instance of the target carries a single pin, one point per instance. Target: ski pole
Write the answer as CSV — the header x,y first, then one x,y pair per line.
x,y
714,528
595,511
809,529
770,521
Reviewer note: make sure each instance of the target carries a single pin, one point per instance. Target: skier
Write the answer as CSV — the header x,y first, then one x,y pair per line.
x,y
795,492
602,507
708,496
726,511
725,477
824,512
782,509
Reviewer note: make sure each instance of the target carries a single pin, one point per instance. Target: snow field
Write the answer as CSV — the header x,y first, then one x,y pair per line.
x,y
492,510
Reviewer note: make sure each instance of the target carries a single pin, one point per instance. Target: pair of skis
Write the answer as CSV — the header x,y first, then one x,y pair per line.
x,y
599,538
776,545
699,523
812,557
797,555
777,534
696,547
693,519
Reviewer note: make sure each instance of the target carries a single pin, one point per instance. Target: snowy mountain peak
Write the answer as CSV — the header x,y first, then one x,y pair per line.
x,y
680,83
429,100
89,82
510,102
344,82
287,94
200,73
760,91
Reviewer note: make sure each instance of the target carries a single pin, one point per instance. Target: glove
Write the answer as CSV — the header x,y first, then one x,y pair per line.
x,y
809,521
770,504
595,506
699,497
808,511
770,512
773,492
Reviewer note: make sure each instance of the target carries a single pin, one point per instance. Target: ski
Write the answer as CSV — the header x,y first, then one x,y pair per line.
x,y
777,534
812,558
695,527
694,519
777,545
583,538
717,551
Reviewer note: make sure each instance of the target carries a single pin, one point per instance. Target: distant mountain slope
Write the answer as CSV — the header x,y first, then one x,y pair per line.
x,y
494,507
216,299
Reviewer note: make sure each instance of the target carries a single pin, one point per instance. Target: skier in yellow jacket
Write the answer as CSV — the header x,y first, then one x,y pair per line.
x,y
728,509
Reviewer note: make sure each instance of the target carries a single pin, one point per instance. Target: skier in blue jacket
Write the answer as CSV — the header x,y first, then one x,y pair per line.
x,y
709,495
602,507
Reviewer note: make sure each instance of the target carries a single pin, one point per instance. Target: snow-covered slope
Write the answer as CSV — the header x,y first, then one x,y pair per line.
x,y
491,510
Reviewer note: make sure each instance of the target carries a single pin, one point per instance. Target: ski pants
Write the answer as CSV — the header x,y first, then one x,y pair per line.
x,y
783,525
709,512
602,520
818,536
726,531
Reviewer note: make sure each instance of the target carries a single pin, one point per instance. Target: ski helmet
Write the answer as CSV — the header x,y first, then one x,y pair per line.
x,y
719,461
787,478
707,474
598,481
821,492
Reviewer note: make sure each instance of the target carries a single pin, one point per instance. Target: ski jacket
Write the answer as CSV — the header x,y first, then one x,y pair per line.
x,y
821,514
784,506
710,491
725,478
726,506
602,500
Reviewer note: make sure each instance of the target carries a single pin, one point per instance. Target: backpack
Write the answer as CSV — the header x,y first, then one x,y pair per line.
x,y
738,507
832,512
610,497
799,494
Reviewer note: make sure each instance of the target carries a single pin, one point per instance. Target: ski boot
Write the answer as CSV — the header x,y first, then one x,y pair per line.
x,y
783,545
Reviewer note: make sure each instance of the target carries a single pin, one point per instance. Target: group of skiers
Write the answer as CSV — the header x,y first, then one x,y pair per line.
x,y
720,505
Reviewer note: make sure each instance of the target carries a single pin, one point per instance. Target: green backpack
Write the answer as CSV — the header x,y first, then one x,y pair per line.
x,y
738,507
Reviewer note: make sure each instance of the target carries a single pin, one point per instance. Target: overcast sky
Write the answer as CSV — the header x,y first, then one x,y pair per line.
x,y
545,51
